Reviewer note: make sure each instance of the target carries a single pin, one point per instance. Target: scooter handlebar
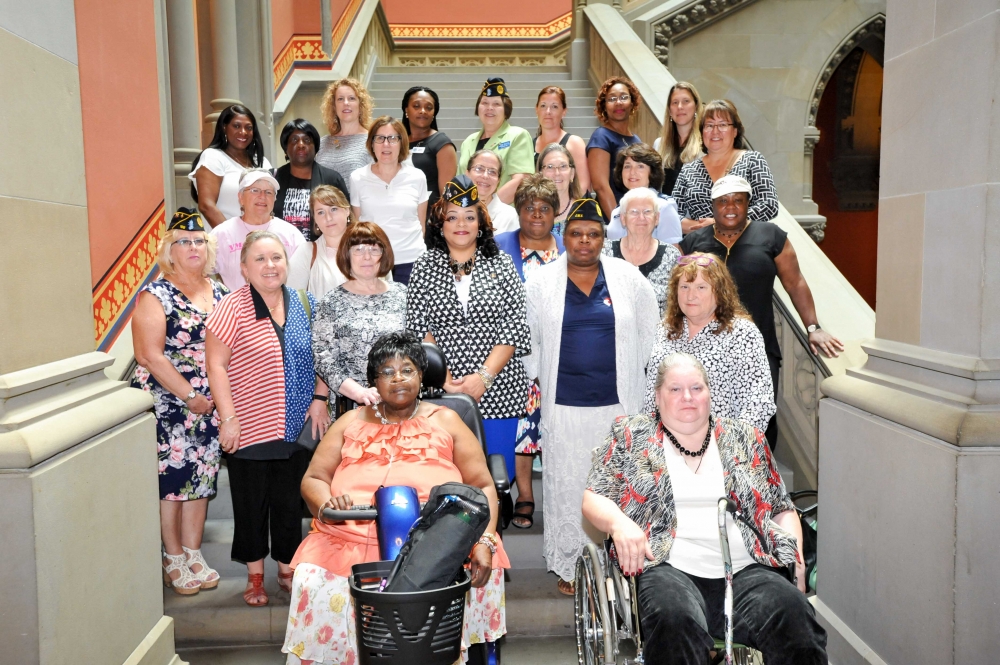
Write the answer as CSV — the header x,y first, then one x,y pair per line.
x,y
357,513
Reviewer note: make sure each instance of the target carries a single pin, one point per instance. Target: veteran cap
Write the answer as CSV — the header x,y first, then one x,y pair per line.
x,y
186,219
461,191
585,209
494,87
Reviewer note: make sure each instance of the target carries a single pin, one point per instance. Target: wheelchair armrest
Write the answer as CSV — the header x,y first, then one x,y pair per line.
x,y
498,470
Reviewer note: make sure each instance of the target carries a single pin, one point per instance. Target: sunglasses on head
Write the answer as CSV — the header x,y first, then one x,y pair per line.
x,y
700,261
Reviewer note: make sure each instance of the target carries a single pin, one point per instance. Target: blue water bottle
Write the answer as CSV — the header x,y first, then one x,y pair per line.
x,y
398,508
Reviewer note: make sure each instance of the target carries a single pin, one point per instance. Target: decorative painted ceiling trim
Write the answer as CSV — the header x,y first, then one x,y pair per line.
x,y
875,26
693,16
406,33
306,51
115,293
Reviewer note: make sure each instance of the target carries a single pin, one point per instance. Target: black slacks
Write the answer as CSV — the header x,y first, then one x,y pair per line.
x,y
266,498
772,426
682,613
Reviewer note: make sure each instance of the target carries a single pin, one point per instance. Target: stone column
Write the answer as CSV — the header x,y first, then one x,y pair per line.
x,y
185,105
79,552
910,443
813,223
225,58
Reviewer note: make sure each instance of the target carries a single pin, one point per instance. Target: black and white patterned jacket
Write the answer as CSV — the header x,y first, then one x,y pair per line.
x,y
496,316
693,189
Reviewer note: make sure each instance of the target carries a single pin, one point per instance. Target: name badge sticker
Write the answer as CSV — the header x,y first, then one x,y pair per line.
x,y
417,150
505,144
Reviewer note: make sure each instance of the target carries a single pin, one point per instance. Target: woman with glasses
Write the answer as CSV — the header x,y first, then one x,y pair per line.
x,y
356,313
314,267
466,297
558,165
511,144
551,109
257,191
347,112
640,214
639,167
486,169
168,335
725,154
616,105
393,193
706,319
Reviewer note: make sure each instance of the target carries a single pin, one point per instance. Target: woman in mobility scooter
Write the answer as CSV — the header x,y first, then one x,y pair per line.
x,y
399,441
655,486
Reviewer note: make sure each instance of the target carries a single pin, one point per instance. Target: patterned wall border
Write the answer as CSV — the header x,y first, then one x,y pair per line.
x,y
306,51
114,295
405,33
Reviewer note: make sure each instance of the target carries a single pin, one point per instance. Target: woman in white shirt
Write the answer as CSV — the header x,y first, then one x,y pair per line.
x,y
485,169
216,172
392,193
256,192
314,267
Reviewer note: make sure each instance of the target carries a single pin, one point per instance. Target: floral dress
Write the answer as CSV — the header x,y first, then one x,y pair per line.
x,y
187,443
528,434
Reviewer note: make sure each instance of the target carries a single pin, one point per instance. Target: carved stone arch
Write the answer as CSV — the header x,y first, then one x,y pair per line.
x,y
869,36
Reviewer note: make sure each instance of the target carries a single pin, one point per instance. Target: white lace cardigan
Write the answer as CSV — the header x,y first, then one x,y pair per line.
x,y
636,318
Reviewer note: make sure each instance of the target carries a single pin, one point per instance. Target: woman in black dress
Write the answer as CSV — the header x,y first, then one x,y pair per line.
x,y
432,151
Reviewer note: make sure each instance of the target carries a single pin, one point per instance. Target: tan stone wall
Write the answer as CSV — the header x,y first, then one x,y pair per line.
x,y
766,58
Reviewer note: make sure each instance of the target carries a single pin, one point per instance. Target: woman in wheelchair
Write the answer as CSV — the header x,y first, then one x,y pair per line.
x,y
399,441
654,487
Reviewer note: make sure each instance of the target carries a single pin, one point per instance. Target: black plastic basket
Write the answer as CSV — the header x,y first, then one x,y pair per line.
x,y
406,628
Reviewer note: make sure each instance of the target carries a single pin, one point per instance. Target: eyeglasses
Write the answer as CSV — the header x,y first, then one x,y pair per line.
x,y
392,139
482,170
541,210
645,214
188,242
370,250
721,126
700,261
389,373
257,191
620,98
552,168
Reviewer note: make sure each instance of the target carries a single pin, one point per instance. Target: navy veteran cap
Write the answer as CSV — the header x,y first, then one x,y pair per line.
x,y
186,219
494,87
461,191
587,209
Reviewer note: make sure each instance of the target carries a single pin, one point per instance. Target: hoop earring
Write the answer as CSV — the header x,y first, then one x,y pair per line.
x,y
480,234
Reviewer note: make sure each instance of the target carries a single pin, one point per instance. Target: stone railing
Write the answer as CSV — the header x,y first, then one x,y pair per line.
x,y
615,48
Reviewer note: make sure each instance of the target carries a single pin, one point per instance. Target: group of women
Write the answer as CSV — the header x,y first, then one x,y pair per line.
x,y
556,317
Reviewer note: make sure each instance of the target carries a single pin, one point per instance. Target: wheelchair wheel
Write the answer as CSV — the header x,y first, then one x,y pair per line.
x,y
595,640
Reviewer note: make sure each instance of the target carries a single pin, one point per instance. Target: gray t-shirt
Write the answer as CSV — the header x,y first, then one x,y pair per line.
x,y
344,154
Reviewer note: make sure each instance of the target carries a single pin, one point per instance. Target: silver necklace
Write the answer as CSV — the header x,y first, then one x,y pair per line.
x,y
386,421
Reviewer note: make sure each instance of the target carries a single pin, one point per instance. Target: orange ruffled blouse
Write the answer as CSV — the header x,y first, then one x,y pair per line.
x,y
416,453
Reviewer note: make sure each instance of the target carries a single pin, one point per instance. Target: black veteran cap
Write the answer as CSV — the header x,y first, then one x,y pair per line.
x,y
461,191
495,87
585,209
186,219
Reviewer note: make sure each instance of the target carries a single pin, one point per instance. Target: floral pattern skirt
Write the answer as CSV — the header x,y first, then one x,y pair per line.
x,y
528,441
321,622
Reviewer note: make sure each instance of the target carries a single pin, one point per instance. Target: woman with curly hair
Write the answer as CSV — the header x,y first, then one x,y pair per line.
x,y
347,112
616,105
706,319
466,296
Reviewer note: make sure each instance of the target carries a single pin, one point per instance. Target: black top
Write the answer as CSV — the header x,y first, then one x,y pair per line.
x,y
649,266
481,143
751,263
320,176
611,142
587,369
424,158
670,178
563,141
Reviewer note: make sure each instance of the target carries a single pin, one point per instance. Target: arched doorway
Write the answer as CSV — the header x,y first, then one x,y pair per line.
x,y
846,164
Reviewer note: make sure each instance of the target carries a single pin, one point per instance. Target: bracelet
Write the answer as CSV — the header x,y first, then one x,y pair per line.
x,y
485,539
321,398
487,376
223,422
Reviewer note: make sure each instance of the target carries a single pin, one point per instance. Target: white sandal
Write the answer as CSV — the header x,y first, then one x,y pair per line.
x,y
208,577
187,584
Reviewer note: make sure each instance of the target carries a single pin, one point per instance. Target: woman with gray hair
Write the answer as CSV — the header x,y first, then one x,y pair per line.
x,y
168,335
259,358
654,258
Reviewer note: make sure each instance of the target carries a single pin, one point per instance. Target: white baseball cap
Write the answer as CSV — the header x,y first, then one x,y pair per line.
x,y
730,184
250,176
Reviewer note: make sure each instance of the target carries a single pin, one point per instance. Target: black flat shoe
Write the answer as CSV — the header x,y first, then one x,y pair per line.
x,y
526,517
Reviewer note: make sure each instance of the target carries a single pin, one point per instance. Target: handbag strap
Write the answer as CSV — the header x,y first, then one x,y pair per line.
x,y
314,255
304,299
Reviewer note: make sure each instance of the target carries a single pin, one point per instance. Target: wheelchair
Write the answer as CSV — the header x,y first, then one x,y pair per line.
x,y
607,609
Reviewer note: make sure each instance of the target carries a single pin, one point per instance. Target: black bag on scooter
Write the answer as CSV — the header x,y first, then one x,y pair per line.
x,y
450,524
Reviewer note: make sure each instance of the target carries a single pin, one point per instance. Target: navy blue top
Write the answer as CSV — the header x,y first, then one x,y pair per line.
x,y
587,369
611,142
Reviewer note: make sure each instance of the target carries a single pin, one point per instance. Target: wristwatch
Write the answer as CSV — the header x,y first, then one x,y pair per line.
x,y
190,396
813,328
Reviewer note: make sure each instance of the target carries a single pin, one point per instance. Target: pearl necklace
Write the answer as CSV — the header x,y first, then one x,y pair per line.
x,y
386,421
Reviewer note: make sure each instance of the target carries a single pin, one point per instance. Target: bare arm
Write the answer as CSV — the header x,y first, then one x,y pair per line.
x,y
791,278
422,216
631,544
447,164
217,357
208,185
506,193
789,521
578,149
599,165
315,486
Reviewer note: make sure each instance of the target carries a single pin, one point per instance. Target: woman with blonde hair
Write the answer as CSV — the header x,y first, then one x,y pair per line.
x,y
314,267
347,112
168,335
680,141
551,109
706,319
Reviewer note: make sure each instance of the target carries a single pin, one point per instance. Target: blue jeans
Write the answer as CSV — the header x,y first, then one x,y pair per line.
x,y
681,614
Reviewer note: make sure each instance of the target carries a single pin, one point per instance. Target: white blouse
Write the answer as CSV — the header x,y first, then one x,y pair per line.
x,y
319,277
227,168
503,216
394,207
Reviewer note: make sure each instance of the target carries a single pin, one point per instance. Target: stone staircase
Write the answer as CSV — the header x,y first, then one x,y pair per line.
x,y
458,88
